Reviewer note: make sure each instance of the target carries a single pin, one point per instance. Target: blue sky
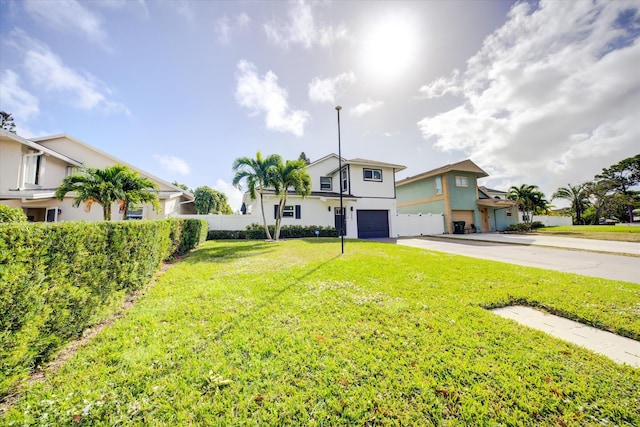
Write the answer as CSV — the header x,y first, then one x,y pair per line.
x,y
544,93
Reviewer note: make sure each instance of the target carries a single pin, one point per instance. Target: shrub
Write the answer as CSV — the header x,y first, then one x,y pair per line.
x,y
57,279
522,227
194,232
256,232
11,215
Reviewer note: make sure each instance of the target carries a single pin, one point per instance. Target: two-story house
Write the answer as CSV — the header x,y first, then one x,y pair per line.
x,y
32,169
453,191
368,193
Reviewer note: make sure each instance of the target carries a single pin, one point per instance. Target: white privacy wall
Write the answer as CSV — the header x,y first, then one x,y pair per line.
x,y
407,225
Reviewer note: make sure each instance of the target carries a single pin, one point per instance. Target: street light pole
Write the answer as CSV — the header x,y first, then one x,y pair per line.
x,y
342,213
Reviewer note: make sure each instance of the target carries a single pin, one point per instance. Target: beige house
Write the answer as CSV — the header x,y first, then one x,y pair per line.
x,y
32,169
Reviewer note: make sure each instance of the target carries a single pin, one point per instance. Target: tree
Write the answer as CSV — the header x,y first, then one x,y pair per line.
x,y
183,186
622,177
577,196
6,122
601,193
91,185
292,174
137,189
209,201
304,158
256,175
528,199
107,186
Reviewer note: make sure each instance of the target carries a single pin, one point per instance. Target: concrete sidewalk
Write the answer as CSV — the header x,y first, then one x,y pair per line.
x,y
632,248
615,347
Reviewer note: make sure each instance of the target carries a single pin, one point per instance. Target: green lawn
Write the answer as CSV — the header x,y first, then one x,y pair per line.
x,y
292,333
599,232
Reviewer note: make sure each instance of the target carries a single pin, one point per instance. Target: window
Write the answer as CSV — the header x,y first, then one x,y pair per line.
x,y
438,185
33,167
462,181
325,183
71,170
372,174
288,212
135,212
344,180
509,212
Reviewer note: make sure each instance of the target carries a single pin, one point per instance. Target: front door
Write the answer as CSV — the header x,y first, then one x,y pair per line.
x,y
341,222
484,216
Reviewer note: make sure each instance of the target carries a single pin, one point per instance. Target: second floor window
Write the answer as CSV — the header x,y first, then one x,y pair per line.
x,y
462,181
372,174
33,167
344,180
438,183
325,183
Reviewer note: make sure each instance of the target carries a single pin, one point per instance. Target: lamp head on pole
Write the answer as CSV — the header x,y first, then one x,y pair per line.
x,y
338,107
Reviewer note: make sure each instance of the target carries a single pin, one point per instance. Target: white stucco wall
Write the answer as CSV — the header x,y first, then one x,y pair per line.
x,y
550,221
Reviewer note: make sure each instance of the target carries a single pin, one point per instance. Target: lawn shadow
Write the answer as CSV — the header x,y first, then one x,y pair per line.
x,y
229,252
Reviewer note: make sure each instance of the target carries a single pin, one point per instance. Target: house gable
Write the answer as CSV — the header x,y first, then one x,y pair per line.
x,y
96,158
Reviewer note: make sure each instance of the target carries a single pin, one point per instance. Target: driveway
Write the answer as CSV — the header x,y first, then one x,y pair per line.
x,y
500,248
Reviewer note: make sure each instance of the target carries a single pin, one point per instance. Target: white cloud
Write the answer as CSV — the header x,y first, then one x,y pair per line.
x,y
16,100
303,29
551,97
327,90
234,196
264,95
173,164
226,27
48,73
365,107
68,16
442,86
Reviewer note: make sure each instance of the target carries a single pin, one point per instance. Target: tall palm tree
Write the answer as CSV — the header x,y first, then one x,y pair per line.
x,y
292,174
91,185
577,195
257,176
137,189
528,198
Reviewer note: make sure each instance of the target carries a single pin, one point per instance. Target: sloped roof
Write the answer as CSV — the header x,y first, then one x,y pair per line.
x,y
361,162
463,166
35,146
366,162
177,189
490,190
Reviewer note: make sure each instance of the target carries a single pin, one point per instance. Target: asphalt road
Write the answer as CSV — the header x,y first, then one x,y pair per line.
x,y
615,267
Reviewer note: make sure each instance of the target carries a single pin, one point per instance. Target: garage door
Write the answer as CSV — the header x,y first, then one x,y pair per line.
x,y
373,224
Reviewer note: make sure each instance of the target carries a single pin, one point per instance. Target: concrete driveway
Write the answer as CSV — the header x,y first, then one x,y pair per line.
x,y
572,258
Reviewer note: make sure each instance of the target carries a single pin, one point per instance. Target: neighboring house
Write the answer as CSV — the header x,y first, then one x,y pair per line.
x,y
32,169
494,194
452,190
368,193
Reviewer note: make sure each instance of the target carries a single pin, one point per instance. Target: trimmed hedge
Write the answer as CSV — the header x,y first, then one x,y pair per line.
x,y
525,226
8,214
256,232
58,279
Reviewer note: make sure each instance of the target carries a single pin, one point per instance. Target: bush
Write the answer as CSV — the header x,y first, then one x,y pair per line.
x,y
522,227
11,215
57,279
256,232
194,232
